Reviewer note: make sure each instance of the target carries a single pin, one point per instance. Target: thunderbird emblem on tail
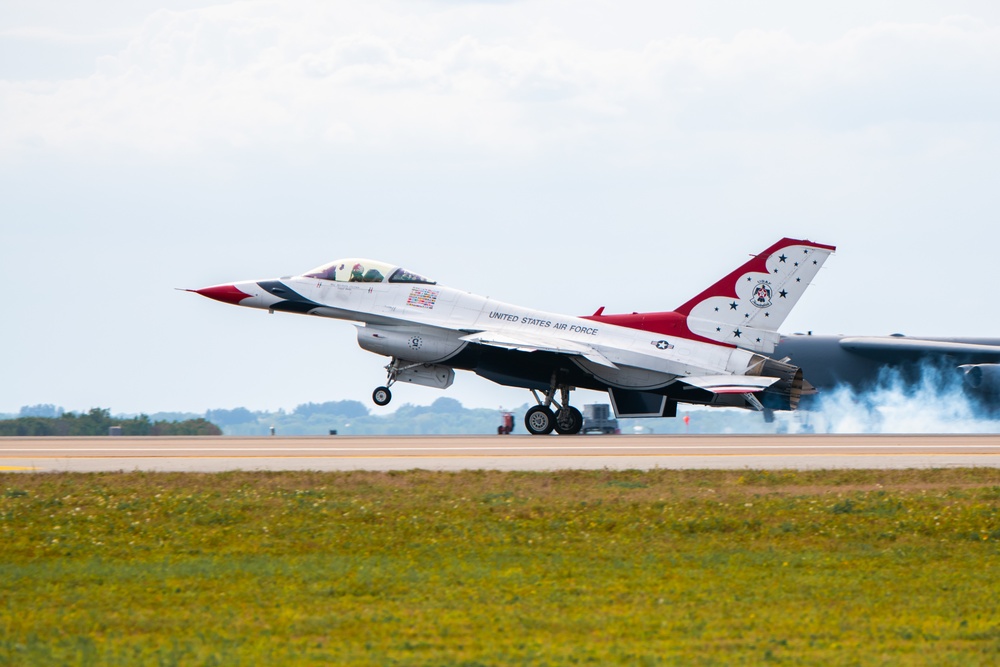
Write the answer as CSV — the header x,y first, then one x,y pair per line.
x,y
762,296
715,353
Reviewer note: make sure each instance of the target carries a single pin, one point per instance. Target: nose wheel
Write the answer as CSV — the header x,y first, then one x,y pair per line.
x,y
381,396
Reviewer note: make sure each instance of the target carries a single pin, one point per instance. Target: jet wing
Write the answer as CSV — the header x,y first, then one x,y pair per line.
x,y
529,343
915,347
730,384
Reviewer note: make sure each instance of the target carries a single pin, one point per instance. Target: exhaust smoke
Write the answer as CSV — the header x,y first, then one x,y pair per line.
x,y
929,398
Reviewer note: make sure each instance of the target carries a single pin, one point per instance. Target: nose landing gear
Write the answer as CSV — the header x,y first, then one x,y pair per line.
x,y
414,372
381,396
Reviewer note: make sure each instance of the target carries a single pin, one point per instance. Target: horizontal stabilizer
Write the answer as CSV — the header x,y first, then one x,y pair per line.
x,y
730,384
528,343
749,338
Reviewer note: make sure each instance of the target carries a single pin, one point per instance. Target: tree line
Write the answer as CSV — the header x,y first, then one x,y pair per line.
x,y
98,421
445,415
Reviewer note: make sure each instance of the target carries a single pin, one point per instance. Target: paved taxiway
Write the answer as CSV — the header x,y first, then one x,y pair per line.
x,y
214,454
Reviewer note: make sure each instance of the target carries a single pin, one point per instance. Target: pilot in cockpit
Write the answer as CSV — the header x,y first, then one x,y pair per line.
x,y
359,275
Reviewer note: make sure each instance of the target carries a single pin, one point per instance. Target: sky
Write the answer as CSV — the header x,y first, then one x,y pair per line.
x,y
554,154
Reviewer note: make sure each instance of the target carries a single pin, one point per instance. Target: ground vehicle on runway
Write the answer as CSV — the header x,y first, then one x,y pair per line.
x,y
597,419
709,351
506,423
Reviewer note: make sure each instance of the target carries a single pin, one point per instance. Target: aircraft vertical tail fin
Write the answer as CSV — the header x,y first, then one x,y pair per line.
x,y
747,306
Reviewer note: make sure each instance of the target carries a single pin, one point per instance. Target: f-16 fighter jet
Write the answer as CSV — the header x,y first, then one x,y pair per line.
x,y
709,351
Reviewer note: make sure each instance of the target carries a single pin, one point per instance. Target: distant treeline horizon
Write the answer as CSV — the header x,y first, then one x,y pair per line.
x,y
445,416
98,421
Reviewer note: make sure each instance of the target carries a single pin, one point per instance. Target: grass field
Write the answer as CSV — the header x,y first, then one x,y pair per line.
x,y
494,568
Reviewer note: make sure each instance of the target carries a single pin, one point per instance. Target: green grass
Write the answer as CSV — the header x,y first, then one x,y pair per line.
x,y
493,568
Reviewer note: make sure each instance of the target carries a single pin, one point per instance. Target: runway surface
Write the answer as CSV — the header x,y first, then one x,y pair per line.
x,y
215,454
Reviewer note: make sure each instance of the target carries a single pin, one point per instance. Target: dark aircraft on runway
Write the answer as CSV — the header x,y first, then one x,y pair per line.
x,y
865,362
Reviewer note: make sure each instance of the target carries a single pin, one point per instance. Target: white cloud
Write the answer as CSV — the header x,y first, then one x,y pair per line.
x,y
269,75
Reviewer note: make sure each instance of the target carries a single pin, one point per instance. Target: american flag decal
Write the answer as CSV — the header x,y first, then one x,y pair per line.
x,y
421,297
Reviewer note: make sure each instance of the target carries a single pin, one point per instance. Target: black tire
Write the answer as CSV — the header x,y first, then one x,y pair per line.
x,y
539,420
571,423
381,396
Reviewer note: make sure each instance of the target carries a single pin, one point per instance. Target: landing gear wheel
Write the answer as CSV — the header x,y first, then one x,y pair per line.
x,y
569,421
539,420
381,396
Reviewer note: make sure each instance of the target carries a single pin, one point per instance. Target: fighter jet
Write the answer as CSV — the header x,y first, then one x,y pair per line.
x,y
712,350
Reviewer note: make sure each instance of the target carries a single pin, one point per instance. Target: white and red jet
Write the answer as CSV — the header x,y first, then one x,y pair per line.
x,y
710,351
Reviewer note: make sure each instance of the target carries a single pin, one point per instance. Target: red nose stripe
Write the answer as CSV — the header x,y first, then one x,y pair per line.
x,y
224,293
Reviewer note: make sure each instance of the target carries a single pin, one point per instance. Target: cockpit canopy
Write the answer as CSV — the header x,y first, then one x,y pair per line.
x,y
358,270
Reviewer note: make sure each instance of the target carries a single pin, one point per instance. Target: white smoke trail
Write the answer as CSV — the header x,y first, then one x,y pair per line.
x,y
933,401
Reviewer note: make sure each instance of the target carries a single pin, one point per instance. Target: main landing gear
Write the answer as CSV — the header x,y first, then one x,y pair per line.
x,y
565,420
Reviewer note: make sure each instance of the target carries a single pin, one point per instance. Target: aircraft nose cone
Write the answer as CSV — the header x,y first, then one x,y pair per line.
x,y
225,293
